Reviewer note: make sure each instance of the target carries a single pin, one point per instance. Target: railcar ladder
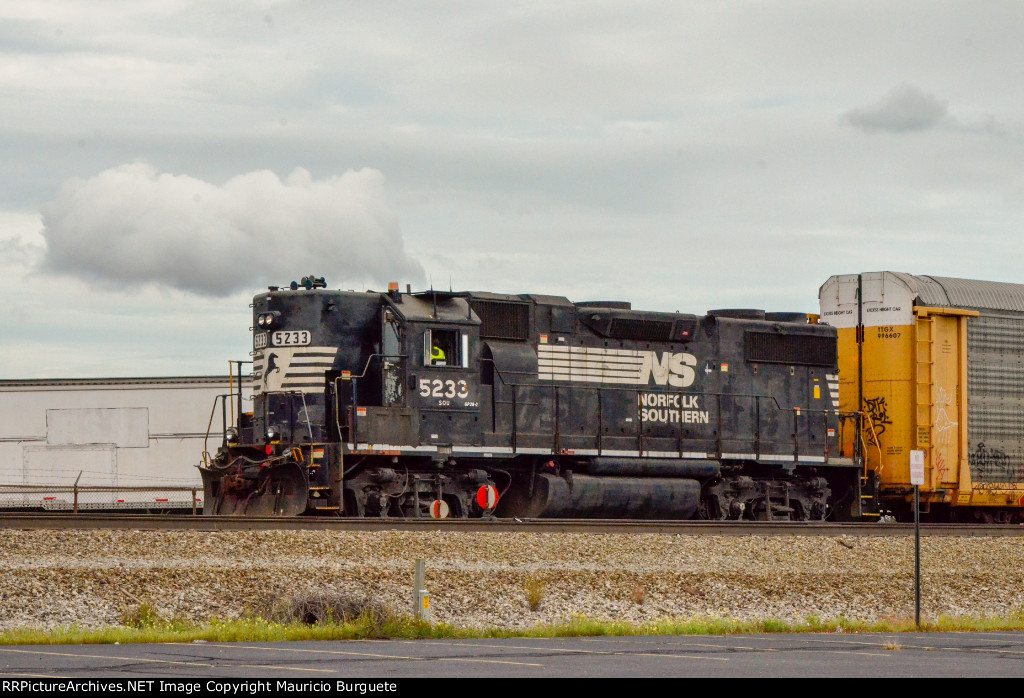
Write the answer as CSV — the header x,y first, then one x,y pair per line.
x,y
923,386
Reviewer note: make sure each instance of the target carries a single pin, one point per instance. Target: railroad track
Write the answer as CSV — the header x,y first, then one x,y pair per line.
x,y
685,528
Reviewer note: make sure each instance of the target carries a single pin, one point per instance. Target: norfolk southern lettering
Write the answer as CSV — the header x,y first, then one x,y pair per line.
x,y
672,408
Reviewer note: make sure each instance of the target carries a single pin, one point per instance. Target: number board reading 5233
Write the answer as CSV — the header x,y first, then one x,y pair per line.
x,y
291,338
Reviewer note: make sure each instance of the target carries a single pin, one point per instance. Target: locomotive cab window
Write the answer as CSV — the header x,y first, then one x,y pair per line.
x,y
445,348
392,335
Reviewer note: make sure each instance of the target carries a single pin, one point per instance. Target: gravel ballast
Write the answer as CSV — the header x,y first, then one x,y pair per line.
x,y
50,579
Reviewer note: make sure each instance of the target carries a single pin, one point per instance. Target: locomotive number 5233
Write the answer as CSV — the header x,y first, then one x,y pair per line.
x,y
291,338
440,388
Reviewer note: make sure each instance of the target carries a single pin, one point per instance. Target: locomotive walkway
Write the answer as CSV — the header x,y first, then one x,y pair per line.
x,y
685,528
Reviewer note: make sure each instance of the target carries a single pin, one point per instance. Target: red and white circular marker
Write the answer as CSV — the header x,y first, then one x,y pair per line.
x,y
487,497
439,509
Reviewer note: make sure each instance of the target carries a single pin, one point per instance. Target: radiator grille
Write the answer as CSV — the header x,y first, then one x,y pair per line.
x,y
503,320
644,330
772,348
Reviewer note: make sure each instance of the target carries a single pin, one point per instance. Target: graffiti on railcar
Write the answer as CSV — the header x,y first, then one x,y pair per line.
x,y
989,464
878,412
945,431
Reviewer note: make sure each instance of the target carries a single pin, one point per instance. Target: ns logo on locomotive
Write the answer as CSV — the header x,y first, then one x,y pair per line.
x,y
472,404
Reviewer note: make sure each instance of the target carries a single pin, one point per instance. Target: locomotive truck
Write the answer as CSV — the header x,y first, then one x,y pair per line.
x,y
474,404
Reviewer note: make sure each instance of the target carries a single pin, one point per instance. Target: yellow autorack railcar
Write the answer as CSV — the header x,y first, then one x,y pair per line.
x,y
936,364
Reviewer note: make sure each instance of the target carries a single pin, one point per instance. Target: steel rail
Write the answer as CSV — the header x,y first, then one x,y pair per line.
x,y
33,521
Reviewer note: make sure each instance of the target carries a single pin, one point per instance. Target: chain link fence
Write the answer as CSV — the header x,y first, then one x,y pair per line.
x,y
88,498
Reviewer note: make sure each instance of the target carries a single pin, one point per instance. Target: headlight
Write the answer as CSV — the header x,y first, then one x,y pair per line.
x,y
274,433
266,320
231,434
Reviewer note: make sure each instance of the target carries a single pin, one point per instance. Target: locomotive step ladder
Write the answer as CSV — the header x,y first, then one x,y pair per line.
x,y
867,499
318,494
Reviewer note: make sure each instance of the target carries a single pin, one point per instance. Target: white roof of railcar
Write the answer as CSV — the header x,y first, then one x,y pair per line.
x,y
944,291
949,292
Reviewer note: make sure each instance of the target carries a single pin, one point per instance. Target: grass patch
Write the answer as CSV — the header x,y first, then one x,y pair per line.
x,y
326,608
535,590
150,627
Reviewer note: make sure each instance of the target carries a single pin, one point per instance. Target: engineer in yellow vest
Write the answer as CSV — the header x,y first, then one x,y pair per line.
x,y
437,357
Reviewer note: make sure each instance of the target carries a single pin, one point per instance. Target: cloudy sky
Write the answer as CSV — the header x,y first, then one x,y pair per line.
x,y
163,161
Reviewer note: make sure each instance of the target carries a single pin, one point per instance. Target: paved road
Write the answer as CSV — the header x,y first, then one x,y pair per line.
x,y
819,655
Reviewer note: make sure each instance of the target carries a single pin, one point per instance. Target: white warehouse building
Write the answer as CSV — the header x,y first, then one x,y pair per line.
x,y
111,433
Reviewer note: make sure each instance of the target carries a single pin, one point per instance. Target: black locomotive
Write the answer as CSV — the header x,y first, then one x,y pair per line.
x,y
479,404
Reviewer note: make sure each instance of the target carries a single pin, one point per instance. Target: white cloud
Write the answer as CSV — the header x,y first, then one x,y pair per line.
x,y
133,225
905,108
678,155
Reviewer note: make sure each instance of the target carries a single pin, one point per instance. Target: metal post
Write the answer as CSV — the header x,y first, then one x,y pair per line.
x,y
513,435
417,584
757,427
224,419
718,441
796,433
558,436
239,422
917,556
824,422
860,344
76,490
353,432
639,426
420,597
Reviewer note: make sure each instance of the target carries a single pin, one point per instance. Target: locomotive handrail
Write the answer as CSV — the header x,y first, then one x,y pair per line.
x,y
337,404
305,411
508,379
552,390
639,390
370,358
797,410
224,430
231,388
354,380
857,441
